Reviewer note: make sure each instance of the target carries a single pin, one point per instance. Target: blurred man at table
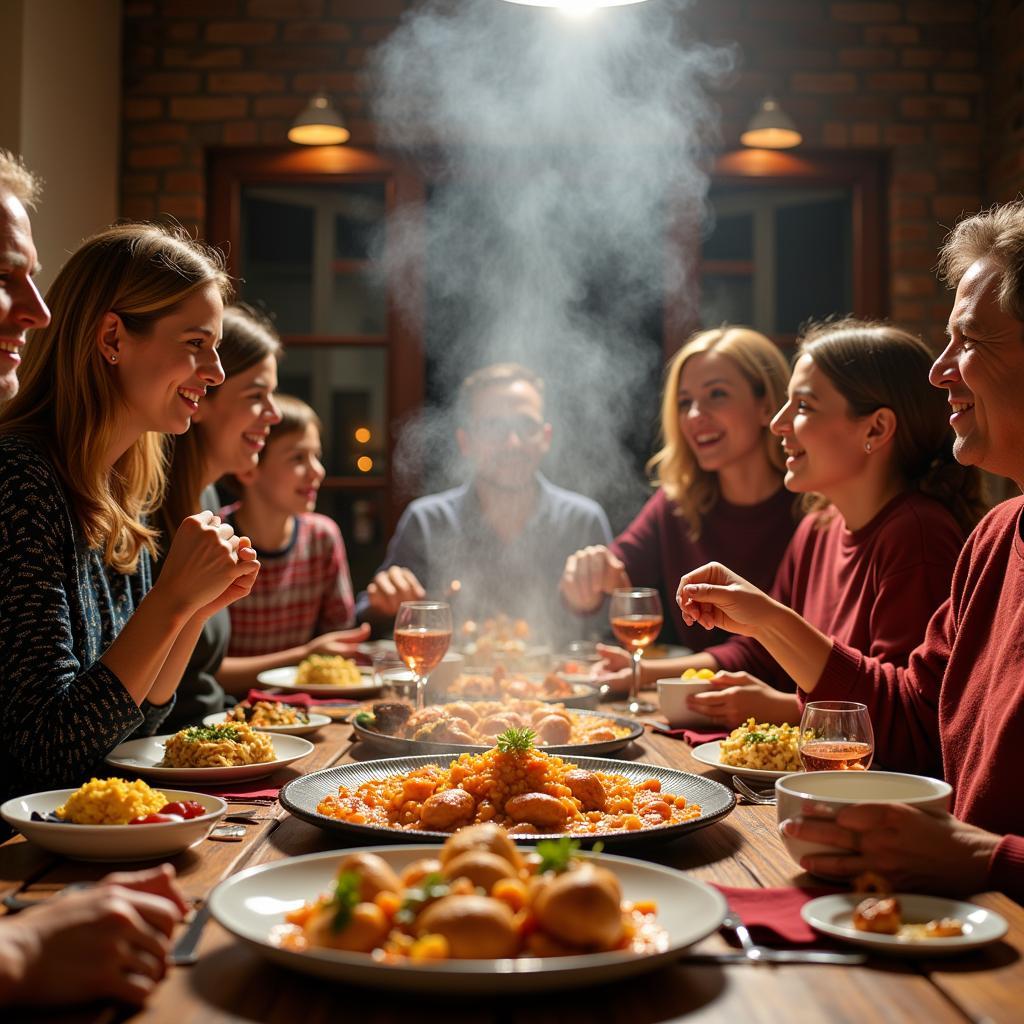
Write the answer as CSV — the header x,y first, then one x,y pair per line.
x,y
957,709
497,543
21,305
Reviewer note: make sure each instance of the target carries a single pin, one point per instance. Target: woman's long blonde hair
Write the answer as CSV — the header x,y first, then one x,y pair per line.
x,y
70,399
248,338
675,469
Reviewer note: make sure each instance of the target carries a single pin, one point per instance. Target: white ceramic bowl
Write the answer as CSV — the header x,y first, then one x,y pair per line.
x,y
835,790
672,694
111,842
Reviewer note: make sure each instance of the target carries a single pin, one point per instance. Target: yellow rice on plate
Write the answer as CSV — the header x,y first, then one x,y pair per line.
x,y
771,748
329,670
110,802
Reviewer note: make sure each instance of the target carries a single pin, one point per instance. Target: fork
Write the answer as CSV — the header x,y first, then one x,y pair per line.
x,y
754,796
756,954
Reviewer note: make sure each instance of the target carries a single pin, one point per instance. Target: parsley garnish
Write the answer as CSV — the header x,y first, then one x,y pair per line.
x,y
344,898
757,737
204,733
517,741
432,887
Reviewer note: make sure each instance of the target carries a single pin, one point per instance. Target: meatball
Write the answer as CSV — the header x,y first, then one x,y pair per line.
x,y
481,867
447,810
582,907
476,927
543,811
587,788
375,874
486,836
493,725
463,710
553,729
415,872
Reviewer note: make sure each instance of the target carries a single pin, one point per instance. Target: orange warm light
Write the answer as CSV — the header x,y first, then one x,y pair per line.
x,y
362,435
364,463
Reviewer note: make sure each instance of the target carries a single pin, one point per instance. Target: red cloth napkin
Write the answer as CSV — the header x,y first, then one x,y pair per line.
x,y
255,792
692,736
299,700
773,915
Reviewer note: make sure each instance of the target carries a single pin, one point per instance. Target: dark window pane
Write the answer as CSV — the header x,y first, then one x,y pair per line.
x,y
362,517
731,238
812,262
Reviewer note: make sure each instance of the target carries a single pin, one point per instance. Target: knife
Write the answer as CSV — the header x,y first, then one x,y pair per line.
x,y
184,951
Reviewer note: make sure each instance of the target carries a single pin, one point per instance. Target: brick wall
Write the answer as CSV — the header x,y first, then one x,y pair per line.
x,y
905,76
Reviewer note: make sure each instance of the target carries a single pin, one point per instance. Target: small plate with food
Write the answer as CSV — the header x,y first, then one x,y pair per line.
x,y
322,675
449,918
532,794
209,754
759,750
472,726
555,687
114,820
905,925
271,716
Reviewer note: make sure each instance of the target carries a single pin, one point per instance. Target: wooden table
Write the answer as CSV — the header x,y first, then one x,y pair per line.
x,y
231,983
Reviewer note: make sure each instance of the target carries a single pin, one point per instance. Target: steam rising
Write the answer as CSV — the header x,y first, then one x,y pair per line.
x,y
558,149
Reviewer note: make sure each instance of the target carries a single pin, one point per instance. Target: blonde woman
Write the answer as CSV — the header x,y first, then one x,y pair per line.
x,y
720,484
90,651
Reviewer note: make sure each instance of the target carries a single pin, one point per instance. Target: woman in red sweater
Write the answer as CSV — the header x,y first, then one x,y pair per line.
x,y
719,472
867,442
958,706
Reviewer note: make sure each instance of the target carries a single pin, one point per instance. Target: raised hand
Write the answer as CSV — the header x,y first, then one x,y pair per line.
x,y
716,597
391,587
207,566
341,641
589,574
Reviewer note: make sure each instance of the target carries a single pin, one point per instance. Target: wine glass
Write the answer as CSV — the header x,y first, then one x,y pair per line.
x,y
835,735
636,618
423,631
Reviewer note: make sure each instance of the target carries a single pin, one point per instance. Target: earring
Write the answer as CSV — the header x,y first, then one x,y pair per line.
x,y
113,357
867,447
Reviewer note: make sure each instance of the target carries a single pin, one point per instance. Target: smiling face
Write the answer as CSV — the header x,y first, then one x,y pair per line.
x,y
720,417
506,437
21,306
236,418
290,472
982,371
823,443
164,375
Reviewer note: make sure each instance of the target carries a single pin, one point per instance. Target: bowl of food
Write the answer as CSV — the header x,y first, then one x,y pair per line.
x,y
272,717
673,694
114,820
832,791
477,915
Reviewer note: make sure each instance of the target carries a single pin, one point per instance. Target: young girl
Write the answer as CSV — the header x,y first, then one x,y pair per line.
x,y
306,597
867,440
720,477
90,651
229,431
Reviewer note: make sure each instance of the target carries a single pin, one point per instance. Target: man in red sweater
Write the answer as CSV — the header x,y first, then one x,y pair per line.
x,y
958,707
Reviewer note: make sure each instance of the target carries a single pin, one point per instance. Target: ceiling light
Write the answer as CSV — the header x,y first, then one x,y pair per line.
x,y
319,124
575,6
771,128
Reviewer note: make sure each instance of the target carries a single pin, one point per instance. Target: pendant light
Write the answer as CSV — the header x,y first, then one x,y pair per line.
x,y
771,128
319,124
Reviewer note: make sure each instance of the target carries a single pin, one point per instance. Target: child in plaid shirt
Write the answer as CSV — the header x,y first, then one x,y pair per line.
x,y
302,603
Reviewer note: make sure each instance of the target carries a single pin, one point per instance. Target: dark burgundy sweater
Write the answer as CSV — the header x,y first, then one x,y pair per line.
x,y
874,588
958,707
657,550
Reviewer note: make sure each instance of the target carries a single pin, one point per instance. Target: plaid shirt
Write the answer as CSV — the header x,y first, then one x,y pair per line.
x,y
302,590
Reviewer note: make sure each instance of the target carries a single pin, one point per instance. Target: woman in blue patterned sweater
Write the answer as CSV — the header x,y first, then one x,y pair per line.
x,y
90,650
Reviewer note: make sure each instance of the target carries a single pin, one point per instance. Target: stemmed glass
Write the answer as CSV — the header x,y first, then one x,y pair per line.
x,y
636,618
423,631
835,735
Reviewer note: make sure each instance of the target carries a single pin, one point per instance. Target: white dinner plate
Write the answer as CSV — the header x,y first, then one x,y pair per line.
x,y
143,757
284,679
315,722
711,754
833,916
110,842
252,903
